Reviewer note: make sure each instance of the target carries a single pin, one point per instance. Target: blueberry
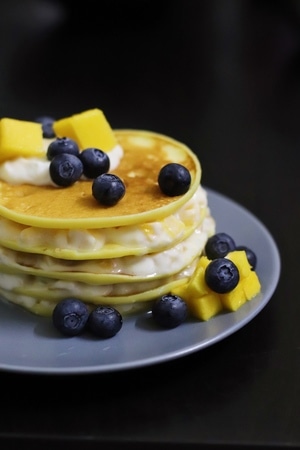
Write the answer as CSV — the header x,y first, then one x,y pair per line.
x,y
108,189
95,162
105,321
174,179
169,311
62,145
65,169
219,245
70,316
47,126
251,256
222,275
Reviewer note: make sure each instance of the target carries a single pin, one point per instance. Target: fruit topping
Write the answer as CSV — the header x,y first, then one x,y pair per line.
x,y
174,179
62,145
47,126
65,169
169,311
251,256
95,162
105,321
89,128
218,245
108,189
20,138
222,275
204,303
70,316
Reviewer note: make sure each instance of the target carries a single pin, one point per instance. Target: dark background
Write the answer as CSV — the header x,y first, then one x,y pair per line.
x,y
224,77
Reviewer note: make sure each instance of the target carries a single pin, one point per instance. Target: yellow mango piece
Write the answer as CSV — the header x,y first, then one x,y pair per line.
x,y
197,285
89,129
64,128
20,138
206,306
240,259
203,262
251,285
234,299
181,291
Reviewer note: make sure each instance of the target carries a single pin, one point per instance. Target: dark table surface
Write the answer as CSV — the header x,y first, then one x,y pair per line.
x,y
224,77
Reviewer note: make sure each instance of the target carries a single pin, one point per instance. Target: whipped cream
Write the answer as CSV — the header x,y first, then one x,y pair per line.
x,y
35,171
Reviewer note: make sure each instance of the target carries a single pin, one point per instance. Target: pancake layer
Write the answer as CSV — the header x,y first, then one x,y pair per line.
x,y
77,244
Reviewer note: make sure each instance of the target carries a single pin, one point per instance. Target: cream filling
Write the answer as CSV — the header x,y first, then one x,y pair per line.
x,y
158,264
54,290
40,295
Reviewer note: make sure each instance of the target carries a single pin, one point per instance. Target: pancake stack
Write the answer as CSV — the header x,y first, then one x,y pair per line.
x,y
60,242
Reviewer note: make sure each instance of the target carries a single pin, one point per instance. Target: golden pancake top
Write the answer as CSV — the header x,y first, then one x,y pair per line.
x,y
145,153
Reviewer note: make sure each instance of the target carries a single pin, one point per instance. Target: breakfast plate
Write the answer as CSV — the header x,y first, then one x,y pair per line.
x,y
30,344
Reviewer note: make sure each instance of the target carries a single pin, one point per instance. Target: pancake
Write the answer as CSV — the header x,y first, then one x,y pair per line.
x,y
144,154
59,242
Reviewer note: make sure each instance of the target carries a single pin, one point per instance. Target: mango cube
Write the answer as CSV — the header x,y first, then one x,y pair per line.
x,y
251,285
20,138
197,285
240,259
180,290
205,306
234,299
89,129
203,262
64,128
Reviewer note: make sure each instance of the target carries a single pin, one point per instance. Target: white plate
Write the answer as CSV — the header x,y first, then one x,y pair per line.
x,y
29,344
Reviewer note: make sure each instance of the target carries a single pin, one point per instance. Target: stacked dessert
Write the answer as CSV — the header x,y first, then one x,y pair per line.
x,y
58,242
